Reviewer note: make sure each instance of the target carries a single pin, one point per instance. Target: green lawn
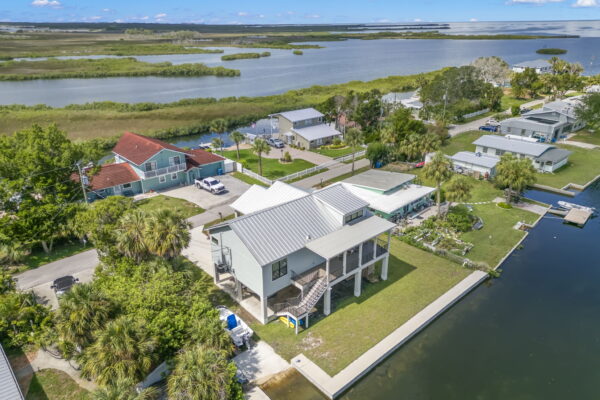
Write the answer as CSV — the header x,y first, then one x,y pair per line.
x,y
462,142
344,176
509,101
272,168
38,258
586,136
334,153
416,278
248,179
583,166
497,236
52,384
186,208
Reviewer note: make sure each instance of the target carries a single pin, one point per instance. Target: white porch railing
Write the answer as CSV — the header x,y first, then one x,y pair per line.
x,y
163,171
348,157
317,168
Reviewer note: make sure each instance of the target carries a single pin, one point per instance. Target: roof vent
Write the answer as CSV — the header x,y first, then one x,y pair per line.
x,y
308,237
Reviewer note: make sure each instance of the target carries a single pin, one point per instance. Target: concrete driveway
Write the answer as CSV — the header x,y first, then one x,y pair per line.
x,y
235,188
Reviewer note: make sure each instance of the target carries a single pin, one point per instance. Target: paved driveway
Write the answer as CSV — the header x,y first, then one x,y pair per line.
x,y
207,200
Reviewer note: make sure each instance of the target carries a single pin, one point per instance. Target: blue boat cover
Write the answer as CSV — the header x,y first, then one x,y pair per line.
x,y
231,322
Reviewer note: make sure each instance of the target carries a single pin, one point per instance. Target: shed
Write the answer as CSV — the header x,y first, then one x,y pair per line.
x,y
478,162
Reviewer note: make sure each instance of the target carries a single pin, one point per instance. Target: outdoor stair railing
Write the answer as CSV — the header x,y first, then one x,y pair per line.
x,y
298,306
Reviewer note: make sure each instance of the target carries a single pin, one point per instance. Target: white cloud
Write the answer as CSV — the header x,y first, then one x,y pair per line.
x,y
534,1
46,3
473,20
145,18
417,20
106,10
95,18
586,3
242,14
313,16
261,15
161,15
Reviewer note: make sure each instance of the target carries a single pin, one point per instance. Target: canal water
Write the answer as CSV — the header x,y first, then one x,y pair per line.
x,y
337,62
534,333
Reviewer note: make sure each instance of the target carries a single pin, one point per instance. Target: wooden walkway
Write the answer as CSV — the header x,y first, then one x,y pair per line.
x,y
334,386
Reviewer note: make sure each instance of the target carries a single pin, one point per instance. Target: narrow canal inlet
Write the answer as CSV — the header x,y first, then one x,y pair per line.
x,y
534,333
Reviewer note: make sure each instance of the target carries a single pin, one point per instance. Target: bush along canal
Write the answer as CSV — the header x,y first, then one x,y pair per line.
x,y
532,333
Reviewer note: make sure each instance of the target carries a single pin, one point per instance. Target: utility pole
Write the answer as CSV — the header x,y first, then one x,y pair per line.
x,y
85,198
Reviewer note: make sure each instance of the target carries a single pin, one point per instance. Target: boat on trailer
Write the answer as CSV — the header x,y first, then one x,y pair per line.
x,y
237,329
570,206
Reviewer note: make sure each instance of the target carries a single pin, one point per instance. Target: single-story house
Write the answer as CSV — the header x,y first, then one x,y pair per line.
x,y
305,128
389,194
544,157
143,164
540,66
258,197
483,164
9,386
287,257
552,122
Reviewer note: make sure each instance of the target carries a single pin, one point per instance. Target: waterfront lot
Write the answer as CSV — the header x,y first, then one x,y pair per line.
x,y
416,278
272,168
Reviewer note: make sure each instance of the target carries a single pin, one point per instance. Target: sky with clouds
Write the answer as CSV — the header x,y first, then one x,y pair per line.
x,y
285,11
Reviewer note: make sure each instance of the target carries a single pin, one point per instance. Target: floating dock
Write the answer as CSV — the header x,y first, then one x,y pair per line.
x,y
577,216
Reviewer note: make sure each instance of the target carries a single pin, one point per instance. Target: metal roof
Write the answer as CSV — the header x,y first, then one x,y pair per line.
x,y
380,180
9,387
481,160
388,203
340,199
540,63
258,197
300,115
512,145
315,132
349,236
555,155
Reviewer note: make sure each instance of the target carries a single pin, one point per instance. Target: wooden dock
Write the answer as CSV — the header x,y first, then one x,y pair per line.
x,y
577,216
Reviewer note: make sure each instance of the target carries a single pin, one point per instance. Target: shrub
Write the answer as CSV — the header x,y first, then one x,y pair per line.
x,y
287,157
298,52
515,110
337,141
552,51
504,205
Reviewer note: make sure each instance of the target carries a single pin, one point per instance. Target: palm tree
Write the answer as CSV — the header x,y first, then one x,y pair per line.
x,y
122,350
429,142
514,173
202,373
440,170
260,147
125,390
130,235
217,143
353,138
167,233
209,332
82,310
219,126
458,189
237,137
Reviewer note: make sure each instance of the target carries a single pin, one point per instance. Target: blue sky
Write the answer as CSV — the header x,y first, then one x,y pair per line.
x,y
303,11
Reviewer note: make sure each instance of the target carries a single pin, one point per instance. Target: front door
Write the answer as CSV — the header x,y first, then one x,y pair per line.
x,y
118,189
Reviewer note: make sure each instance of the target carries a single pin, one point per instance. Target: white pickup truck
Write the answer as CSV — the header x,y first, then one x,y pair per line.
x,y
211,184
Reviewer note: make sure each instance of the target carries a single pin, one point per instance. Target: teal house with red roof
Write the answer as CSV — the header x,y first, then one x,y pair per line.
x,y
143,164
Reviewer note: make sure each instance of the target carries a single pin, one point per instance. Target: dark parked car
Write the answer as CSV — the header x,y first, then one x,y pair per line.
x,y
489,128
63,285
278,144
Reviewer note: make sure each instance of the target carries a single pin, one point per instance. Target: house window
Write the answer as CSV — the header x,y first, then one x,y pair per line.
x,y
127,186
279,269
150,166
174,176
162,179
174,160
508,129
499,152
354,216
214,240
484,150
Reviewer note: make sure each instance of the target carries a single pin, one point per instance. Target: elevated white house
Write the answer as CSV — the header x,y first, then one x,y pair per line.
x,y
544,157
289,256
305,128
258,197
552,122
540,66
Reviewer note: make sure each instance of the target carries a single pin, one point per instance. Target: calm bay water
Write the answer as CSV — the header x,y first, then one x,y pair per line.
x,y
338,62
532,334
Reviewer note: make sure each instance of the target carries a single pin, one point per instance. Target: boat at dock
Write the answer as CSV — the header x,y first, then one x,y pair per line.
x,y
570,206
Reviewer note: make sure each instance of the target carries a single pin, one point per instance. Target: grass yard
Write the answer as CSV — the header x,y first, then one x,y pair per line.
x,y
272,168
586,136
583,166
497,236
248,179
343,176
52,384
185,207
509,101
334,153
462,142
416,278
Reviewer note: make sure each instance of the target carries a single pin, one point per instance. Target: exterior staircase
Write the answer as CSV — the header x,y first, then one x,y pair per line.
x,y
299,306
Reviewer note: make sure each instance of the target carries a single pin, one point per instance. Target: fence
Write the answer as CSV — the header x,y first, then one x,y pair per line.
x,y
317,168
240,168
348,157
476,113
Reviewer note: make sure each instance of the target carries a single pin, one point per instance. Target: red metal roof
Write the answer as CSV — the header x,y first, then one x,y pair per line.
x,y
112,175
199,157
137,148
